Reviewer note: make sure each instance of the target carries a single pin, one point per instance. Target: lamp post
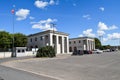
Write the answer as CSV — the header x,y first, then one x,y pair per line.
x,y
13,51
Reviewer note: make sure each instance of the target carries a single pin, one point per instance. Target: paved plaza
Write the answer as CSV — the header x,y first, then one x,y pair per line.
x,y
105,66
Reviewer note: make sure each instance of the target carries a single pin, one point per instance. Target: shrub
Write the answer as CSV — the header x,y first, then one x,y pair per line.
x,y
47,51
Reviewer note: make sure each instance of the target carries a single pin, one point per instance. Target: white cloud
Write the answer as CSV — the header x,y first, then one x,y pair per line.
x,y
105,39
81,35
102,26
22,14
42,4
102,8
87,33
87,17
100,33
31,18
52,2
114,36
113,27
44,24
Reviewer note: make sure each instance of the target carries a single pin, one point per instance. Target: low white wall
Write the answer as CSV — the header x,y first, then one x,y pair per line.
x,y
5,54
8,54
27,53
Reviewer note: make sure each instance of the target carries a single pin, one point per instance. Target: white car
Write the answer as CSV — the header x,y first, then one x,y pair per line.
x,y
97,51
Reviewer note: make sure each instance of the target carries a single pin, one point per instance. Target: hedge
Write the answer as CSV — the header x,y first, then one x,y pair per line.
x,y
47,51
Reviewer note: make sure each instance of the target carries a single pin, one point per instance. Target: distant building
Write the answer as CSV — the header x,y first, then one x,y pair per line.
x,y
81,43
59,40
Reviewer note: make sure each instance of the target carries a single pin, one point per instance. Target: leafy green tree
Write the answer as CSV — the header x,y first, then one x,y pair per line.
x,y
106,47
97,44
5,40
20,40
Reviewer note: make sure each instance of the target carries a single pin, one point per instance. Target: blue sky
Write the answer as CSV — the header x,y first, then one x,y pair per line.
x,y
92,18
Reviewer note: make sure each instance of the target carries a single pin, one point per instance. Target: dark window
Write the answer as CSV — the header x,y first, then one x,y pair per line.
x,y
79,41
70,42
70,49
31,40
23,50
36,46
46,37
74,42
84,41
35,39
18,51
41,38
75,48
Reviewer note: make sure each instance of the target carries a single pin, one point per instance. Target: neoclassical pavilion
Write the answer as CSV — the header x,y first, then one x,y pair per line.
x,y
59,40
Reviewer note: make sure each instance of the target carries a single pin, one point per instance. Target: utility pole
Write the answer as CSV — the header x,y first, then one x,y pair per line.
x,y
53,25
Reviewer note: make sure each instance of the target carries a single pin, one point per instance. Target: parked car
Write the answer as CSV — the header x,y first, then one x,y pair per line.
x,y
97,51
77,52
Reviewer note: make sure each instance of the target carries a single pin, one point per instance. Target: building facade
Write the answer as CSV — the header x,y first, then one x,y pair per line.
x,y
59,40
81,43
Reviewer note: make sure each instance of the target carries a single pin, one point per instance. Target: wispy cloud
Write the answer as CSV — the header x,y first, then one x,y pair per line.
x,y
87,16
44,24
102,8
88,33
100,32
22,14
43,4
102,26
31,18
113,36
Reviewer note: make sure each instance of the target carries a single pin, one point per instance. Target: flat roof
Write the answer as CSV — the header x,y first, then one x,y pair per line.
x,y
81,38
49,31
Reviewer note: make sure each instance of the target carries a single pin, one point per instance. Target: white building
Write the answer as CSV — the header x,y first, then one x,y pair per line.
x,y
81,43
59,40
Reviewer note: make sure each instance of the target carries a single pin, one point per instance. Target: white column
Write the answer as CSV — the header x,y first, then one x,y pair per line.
x,y
94,44
63,44
67,44
51,39
87,45
91,45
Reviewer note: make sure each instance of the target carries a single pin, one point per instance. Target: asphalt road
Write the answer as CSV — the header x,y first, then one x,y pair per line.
x,y
7,73
105,66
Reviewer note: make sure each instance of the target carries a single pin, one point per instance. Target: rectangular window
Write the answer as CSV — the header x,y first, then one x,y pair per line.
x,y
35,39
31,40
41,38
79,41
70,42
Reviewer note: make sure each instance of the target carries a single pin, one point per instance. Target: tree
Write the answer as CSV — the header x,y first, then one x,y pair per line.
x,y
98,43
20,40
5,40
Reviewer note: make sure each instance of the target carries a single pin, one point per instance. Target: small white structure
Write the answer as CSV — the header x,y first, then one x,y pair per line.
x,y
81,43
20,51
59,40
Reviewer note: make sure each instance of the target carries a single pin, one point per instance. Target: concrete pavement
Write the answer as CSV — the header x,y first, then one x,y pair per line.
x,y
103,66
7,73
